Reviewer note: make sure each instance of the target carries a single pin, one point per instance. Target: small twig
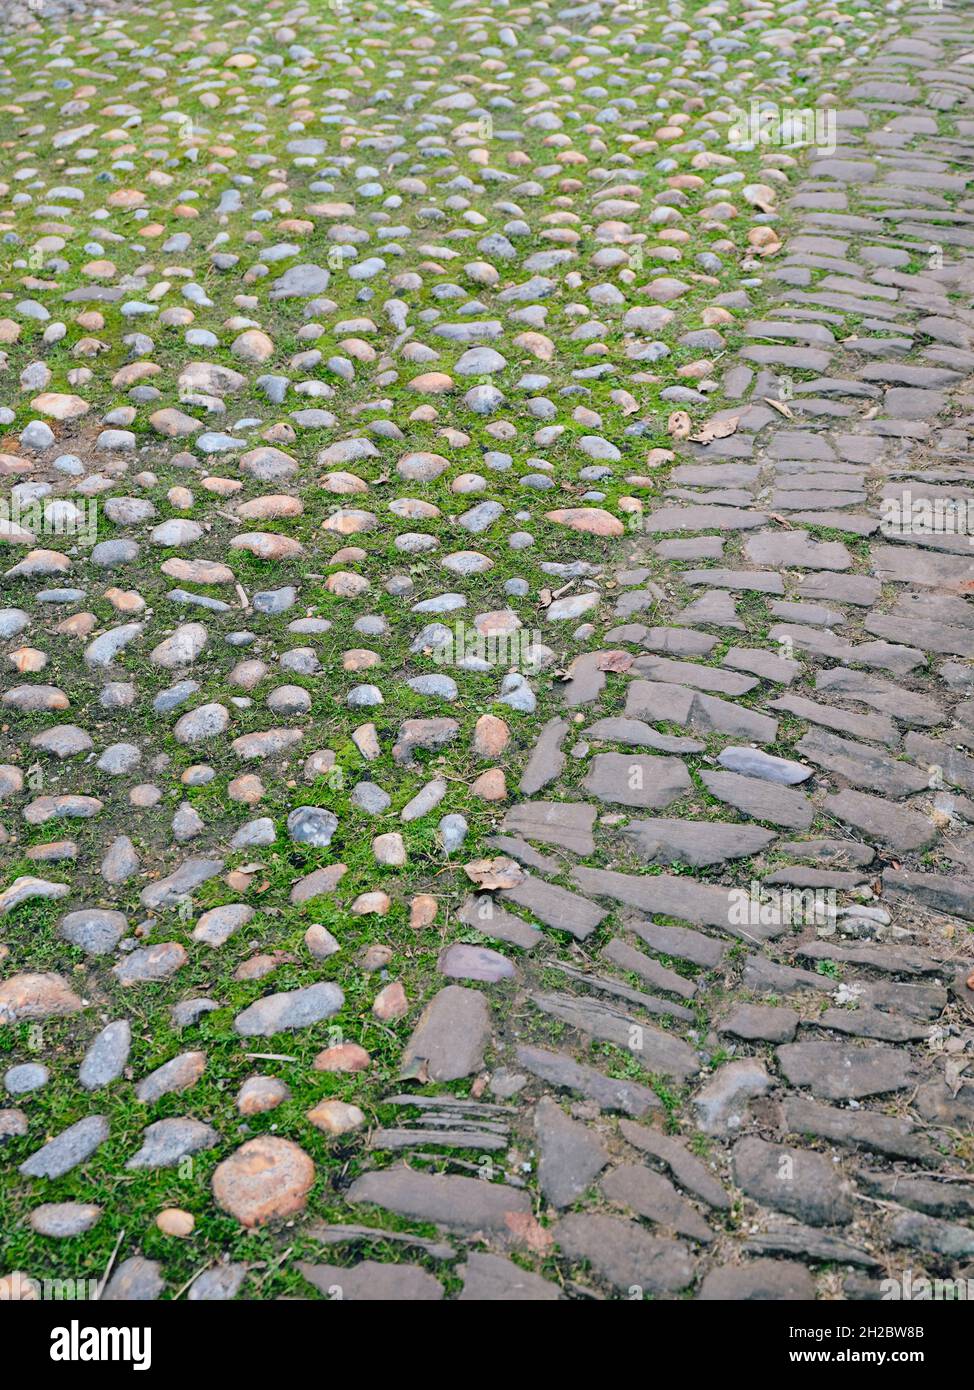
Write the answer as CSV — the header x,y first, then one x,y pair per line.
x,y
191,1280
273,1266
108,1267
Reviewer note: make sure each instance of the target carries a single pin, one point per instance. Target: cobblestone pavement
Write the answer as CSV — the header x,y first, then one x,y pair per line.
x,y
487,774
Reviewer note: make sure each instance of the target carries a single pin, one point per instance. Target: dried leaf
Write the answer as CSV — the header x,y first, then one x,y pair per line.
x,y
679,425
614,661
954,1073
494,873
529,1232
716,429
780,406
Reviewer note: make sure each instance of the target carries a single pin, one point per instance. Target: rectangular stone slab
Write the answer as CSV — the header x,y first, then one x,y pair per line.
x,y
608,1092
555,906
674,896
456,1203
565,824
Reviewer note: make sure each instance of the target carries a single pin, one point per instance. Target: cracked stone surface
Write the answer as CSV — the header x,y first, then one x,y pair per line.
x,y
487,757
